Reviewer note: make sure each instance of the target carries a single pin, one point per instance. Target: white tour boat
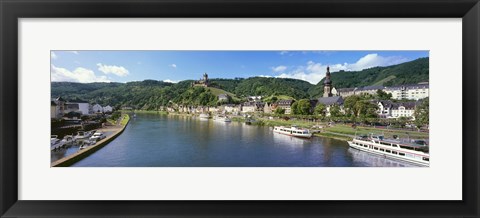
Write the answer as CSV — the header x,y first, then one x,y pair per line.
x,y
416,153
293,131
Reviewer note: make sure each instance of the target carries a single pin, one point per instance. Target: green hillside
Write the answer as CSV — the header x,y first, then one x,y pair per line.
x,y
406,73
217,91
151,94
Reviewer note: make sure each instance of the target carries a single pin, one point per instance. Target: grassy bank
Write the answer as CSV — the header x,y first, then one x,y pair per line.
x,y
145,112
125,120
389,133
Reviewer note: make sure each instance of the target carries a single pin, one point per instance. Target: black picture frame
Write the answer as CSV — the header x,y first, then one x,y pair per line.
x,y
12,10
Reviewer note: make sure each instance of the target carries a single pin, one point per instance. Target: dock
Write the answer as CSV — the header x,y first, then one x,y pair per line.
x,y
81,154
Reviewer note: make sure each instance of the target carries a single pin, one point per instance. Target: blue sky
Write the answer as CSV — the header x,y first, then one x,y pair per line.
x,y
174,66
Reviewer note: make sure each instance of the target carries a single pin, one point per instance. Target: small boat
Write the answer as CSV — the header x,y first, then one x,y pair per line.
x,y
293,131
204,116
97,136
411,151
83,135
222,119
249,121
68,140
55,143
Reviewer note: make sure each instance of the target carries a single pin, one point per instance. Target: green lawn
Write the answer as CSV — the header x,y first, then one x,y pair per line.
x,y
348,130
125,120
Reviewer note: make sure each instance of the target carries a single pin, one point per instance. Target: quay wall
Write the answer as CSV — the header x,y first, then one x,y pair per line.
x,y
72,159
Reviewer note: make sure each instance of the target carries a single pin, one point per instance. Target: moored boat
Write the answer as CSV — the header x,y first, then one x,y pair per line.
x,y
83,135
56,143
222,119
204,116
415,152
293,131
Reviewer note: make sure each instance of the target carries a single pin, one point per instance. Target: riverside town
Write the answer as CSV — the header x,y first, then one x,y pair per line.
x,y
239,109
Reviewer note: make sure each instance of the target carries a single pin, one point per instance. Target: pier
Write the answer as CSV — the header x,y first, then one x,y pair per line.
x,y
116,130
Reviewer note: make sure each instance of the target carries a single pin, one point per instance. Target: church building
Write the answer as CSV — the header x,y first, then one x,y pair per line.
x,y
330,96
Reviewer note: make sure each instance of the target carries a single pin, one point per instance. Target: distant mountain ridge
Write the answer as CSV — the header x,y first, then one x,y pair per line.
x,y
151,94
406,73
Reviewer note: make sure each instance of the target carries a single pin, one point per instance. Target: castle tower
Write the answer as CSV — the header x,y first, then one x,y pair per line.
x,y
205,79
327,85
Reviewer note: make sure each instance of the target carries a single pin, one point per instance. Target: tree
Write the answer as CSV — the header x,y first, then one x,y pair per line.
x,y
381,95
366,109
279,111
303,107
294,108
422,114
335,111
320,110
349,104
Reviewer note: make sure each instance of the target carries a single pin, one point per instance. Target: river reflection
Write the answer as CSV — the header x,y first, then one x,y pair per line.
x,y
152,140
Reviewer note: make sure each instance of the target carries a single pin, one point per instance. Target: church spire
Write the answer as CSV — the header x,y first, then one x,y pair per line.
x,y
327,84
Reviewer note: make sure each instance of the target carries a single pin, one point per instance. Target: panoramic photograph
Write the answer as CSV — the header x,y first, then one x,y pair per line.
x,y
241,108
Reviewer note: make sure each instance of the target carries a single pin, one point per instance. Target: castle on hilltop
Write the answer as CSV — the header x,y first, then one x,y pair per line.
x,y
202,82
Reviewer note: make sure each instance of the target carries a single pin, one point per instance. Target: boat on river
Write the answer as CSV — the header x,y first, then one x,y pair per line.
x,y
83,135
293,131
204,116
224,119
412,151
55,143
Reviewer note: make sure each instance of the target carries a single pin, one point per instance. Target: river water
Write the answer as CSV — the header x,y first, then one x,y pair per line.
x,y
152,140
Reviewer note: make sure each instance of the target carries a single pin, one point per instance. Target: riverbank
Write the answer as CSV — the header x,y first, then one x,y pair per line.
x,y
115,131
144,112
342,132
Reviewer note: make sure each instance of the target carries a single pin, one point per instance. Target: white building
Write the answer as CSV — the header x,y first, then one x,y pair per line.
x,y
411,92
231,108
286,105
97,108
83,106
403,110
388,109
108,109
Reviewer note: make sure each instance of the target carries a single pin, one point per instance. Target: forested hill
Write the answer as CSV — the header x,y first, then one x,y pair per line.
x,y
151,94
406,73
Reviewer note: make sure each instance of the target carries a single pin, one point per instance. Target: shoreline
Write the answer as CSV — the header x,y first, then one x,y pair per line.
x,y
81,154
339,131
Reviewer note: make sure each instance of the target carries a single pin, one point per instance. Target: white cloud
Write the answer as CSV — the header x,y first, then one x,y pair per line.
x,y
173,65
171,81
314,72
279,69
53,55
112,69
80,74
